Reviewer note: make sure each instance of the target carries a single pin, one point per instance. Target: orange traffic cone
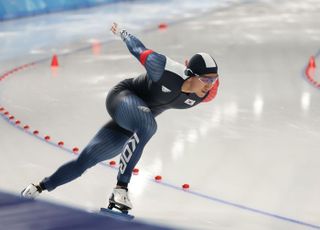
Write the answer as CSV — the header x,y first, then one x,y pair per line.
x,y
312,62
96,47
54,62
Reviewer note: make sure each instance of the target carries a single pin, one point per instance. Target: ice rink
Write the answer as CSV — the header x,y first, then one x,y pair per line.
x,y
251,157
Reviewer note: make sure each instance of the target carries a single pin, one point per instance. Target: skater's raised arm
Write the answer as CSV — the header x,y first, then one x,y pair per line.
x,y
152,61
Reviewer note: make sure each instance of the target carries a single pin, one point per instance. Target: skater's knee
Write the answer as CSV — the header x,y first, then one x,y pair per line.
x,y
148,128
82,164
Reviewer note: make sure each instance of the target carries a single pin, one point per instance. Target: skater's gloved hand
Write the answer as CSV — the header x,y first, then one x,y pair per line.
x,y
115,29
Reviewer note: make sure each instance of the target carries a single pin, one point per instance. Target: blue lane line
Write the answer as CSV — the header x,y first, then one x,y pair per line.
x,y
244,207
204,196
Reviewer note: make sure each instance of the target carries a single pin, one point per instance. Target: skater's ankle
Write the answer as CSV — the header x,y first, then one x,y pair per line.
x,y
122,185
41,187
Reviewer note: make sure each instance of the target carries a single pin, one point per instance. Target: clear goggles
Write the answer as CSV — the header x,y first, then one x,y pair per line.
x,y
203,78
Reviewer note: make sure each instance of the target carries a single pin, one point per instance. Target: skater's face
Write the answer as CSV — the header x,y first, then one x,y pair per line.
x,y
200,85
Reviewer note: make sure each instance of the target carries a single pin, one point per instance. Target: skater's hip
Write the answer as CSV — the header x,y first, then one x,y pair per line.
x,y
118,94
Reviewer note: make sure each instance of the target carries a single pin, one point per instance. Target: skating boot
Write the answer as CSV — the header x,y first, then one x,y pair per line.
x,y
31,192
119,199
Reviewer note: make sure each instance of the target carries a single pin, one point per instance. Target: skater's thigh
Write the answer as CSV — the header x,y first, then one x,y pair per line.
x,y
106,144
109,133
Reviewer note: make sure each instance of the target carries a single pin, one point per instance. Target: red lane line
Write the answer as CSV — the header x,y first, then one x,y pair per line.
x,y
11,119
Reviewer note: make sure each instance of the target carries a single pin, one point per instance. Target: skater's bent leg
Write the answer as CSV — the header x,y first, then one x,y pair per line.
x,y
106,144
132,153
133,114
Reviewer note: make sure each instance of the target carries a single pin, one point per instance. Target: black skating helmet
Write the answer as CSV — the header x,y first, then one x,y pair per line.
x,y
201,63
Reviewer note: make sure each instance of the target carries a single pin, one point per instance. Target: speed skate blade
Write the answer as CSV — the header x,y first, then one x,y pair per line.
x,y
115,214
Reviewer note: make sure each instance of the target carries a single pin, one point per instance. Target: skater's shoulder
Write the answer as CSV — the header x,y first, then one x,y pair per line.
x,y
175,67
